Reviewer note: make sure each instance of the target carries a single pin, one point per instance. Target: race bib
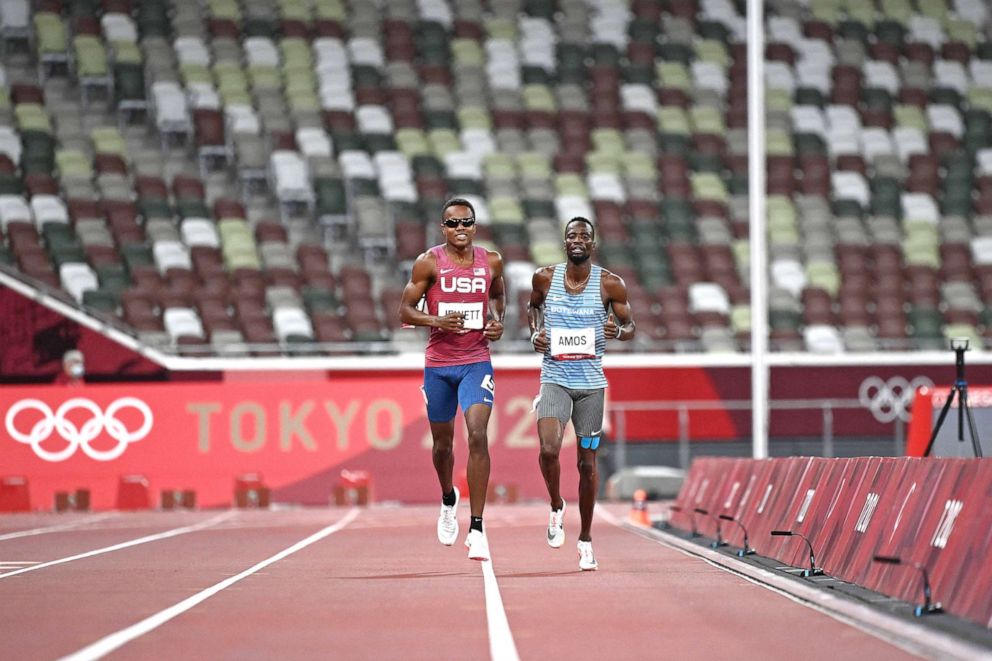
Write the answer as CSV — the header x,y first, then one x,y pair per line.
x,y
573,343
472,312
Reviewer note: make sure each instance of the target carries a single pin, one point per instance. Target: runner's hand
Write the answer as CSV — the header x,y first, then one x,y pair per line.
x,y
610,328
453,321
493,330
540,341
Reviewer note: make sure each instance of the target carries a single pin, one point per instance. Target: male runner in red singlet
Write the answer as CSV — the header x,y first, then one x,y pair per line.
x,y
462,284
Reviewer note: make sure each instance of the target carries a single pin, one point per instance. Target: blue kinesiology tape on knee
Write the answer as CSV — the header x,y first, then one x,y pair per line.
x,y
589,442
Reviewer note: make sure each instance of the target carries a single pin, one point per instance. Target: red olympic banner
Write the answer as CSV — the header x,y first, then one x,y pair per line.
x,y
299,435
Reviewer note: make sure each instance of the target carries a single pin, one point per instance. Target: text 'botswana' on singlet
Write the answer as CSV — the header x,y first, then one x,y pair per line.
x,y
463,289
575,328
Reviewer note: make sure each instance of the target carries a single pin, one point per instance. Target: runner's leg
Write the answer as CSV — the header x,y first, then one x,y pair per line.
x,y
550,432
440,396
588,486
443,453
554,408
477,420
587,418
476,394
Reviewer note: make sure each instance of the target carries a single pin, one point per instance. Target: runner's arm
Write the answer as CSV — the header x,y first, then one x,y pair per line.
x,y
421,279
615,295
540,284
497,298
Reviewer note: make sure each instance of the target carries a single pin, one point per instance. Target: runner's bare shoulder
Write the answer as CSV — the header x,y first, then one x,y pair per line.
x,y
611,279
425,265
543,274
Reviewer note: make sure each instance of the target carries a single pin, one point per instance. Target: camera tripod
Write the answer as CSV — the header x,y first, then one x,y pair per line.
x,y
960,388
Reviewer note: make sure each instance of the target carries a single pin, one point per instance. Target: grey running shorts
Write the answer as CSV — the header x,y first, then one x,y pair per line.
x,y
583,407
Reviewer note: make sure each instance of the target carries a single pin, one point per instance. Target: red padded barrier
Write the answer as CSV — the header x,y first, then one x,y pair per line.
x,y
753,502
772,512
957,555
738,472
736,503
935,512
834,499
936,521
940,520
902,525
720,492
815,492
793,508
681,512
967,551
707,497
860,527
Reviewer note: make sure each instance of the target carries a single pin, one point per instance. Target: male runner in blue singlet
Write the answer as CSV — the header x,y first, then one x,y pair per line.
x,y
574,308
465,301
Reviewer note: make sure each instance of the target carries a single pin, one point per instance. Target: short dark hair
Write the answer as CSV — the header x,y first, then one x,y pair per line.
x,y
580,219
457,202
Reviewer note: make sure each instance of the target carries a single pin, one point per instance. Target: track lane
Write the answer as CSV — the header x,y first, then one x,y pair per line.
x,y
47,525
61,609
54,541
120,546
383,588
116,640
648,601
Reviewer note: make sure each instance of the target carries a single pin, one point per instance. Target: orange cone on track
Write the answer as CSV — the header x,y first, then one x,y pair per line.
x,y
639,508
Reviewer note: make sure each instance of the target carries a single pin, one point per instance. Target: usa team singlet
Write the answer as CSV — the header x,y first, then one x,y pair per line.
x,y
464,289
575,329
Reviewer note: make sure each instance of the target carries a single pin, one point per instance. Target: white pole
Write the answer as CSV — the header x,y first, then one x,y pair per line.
x,y
756,218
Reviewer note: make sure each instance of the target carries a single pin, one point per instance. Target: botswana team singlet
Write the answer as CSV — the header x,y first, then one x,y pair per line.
x,y
459,289
575,329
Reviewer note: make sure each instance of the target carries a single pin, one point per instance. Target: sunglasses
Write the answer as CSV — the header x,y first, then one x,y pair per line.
x,y
455,222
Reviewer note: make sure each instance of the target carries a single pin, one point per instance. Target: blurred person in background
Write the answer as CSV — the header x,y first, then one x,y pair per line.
x,y
73,368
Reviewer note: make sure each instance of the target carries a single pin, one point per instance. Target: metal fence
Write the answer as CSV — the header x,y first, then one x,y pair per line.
x,y
825,407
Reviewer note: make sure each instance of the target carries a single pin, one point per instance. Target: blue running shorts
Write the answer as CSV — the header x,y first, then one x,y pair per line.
x,y
446,388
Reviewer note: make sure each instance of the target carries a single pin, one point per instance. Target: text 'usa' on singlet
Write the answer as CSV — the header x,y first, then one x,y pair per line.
x,y
574,323
459,288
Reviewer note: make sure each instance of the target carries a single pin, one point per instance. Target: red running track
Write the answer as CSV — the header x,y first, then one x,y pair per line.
x,y
375,584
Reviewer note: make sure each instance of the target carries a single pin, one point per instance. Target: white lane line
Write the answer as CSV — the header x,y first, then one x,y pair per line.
x,y
108,644
501,645
610,518
123,545
48,529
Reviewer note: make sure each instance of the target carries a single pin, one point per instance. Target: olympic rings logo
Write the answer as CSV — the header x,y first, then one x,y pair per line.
x,y
79,436
888,400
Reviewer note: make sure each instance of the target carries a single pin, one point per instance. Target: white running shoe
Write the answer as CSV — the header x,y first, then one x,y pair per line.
x,y
587,560
556,527
478,545
447,522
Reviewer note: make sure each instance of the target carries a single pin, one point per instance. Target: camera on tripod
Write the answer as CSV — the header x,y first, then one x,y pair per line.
x,y
960,388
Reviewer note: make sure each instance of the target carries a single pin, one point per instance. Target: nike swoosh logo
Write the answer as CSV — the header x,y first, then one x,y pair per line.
x,y
487,401
443,271
555,298
551,536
